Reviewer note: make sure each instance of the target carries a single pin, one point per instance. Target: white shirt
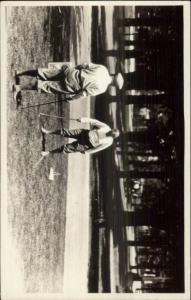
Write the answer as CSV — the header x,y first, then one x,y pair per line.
x,y
95,79
104,141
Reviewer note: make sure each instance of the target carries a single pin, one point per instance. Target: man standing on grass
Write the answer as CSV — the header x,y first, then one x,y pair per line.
x,y
86,141
75,82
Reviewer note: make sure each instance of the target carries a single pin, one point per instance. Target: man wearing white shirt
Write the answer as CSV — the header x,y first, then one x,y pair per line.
x,y
88,141
87,79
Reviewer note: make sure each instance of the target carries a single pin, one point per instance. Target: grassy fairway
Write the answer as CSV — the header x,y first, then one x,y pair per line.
x,y
36,206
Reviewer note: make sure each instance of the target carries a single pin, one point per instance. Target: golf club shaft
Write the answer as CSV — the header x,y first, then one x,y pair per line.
x,y
57,117
41,104
51,116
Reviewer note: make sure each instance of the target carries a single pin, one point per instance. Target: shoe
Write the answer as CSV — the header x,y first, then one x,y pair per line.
x,y
44,153
16,93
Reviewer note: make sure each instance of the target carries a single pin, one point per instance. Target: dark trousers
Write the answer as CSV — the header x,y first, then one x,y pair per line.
x,y
81,144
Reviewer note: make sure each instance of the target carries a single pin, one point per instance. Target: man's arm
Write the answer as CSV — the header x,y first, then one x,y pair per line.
x,y
94,122
101,147
78,96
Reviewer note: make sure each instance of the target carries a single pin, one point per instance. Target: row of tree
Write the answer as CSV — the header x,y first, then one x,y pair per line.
x,y
150,151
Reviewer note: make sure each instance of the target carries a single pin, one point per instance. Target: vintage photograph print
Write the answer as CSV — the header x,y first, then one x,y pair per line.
x,y
95,160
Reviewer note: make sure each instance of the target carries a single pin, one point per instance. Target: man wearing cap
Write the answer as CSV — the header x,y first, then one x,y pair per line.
x,y
75,82
98,138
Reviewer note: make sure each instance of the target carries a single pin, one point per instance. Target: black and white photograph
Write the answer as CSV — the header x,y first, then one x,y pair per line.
x,y
95,150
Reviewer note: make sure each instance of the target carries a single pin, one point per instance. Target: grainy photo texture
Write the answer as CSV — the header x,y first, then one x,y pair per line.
x,y
95,149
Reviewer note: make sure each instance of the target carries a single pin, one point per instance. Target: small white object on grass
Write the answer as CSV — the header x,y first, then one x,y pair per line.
x,y
52,174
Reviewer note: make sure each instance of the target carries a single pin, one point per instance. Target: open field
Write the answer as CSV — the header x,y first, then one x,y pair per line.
x,y
47,218
36,206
